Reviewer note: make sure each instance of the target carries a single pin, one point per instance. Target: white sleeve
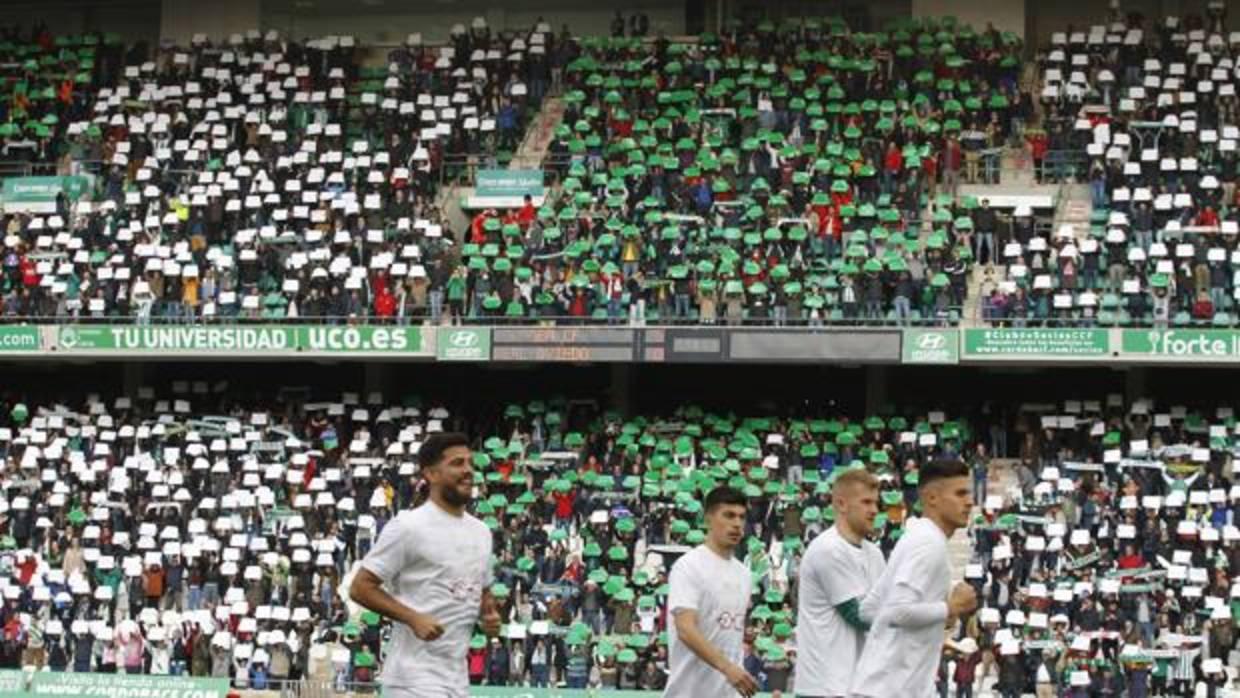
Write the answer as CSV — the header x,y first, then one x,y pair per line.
x,y
907,605
684,592
488,569
390,553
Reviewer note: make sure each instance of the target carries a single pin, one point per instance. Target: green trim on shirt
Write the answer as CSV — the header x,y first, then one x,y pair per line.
x,y
850,611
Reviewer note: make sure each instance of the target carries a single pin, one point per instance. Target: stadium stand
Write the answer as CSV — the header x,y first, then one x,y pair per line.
x,y
265,179
1150,111
189,533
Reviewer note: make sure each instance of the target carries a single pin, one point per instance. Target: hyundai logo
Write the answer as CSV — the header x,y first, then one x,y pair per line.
x,y
463,340
931,342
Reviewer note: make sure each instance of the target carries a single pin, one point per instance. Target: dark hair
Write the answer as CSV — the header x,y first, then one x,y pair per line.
x,y
942,469
432,449
724,495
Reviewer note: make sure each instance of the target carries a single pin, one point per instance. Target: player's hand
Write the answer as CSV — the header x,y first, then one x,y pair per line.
x,y
962,600
740,679
425,628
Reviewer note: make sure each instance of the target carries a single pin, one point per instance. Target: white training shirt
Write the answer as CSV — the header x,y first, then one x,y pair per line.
x,y
908,607
718,590
832,572
438,564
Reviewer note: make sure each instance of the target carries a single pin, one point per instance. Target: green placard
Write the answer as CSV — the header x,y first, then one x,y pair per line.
x,y
509,183
18,338
1182,344
43,189
248,339
75,685
1036,343
931,346
463,344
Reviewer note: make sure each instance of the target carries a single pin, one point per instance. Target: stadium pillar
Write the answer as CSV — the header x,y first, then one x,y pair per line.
x,y
1005,15
133,376
180,20
1136,382
875,388
621,387
377,377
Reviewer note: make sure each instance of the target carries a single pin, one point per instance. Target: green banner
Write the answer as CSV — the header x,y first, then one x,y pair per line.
x,y
74,685
249,339
509,183
19,338
930,346
1181,344
342,338
463,344
1036,343
43,189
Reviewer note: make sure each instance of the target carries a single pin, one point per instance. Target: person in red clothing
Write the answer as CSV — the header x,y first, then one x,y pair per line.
x,y
579,307
564,502
1203,307
930,168
30,276
385,304
477,228
1038,145
967,659
893,161
1207,218
526,215
27,565
953,160
1131,559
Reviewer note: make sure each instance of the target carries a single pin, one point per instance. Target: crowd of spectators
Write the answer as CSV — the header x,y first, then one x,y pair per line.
x,y
1110,566
257,178
196,533
798,174
1149,104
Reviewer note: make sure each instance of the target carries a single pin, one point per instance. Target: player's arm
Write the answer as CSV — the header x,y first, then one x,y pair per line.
x,y
850,611
367,590
907,605
686,620
385,561
907,609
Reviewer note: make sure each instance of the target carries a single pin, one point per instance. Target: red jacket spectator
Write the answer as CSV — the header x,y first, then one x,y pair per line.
x,y
29,277
894,160
1038,145
477,231
1203,309
385,303
527,214
564,504
1207,217
966,667
953,158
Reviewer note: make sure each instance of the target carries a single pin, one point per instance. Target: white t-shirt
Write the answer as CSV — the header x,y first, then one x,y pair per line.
x,y
908,607
832,572
438,564
718,590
